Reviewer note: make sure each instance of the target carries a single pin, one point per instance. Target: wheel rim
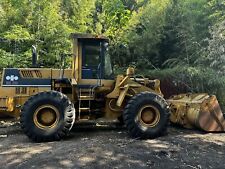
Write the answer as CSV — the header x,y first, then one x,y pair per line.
x,y
149,116
46,117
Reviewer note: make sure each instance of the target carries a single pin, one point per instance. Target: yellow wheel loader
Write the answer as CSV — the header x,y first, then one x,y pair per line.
x,y
50,101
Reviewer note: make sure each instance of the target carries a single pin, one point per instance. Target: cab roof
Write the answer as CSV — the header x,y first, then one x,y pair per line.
x,y
88,36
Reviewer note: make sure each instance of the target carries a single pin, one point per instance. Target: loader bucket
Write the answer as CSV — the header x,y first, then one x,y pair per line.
x,y
197,111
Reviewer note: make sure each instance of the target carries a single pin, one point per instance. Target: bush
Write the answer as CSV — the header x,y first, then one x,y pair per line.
x,y
190,79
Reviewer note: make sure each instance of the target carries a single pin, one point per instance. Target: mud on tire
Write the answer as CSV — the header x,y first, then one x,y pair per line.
x,y
47,116
146,115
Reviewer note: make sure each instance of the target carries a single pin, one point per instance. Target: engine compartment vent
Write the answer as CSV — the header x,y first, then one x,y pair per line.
x,y
38,73
31,74
26,73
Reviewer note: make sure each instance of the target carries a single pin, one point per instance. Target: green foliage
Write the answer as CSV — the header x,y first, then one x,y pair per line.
x,y
195,79
17,32
147,34
215,53
150,29
142,35
78,14
47,24
216,10
11,60
187,27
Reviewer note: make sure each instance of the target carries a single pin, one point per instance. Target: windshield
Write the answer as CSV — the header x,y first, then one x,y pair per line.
x,y
108,65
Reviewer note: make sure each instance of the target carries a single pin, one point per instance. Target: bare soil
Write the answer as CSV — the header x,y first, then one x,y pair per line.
x,y
111,147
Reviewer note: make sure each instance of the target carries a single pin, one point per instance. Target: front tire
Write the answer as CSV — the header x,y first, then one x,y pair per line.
x,y
146,115
47,116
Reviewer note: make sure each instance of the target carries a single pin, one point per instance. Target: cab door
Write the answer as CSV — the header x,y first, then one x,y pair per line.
x,y
91,60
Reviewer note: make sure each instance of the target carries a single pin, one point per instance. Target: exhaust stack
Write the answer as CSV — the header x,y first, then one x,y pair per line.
x,y
34,56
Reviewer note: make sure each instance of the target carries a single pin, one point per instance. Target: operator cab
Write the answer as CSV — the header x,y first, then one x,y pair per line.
x,y
96,62
92,75
92,64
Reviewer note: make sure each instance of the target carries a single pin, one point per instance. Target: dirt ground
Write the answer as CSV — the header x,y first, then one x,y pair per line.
x,y
111,147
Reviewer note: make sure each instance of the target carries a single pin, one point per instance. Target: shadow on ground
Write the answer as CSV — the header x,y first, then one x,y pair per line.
x,y
111,147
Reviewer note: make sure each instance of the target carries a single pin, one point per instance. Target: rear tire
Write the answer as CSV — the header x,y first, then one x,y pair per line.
x,y
146,115
47,116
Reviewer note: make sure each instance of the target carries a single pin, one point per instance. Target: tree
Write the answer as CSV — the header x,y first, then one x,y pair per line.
x,y
110,18
216,10
215,56
78,14
41,22
187,27
142,35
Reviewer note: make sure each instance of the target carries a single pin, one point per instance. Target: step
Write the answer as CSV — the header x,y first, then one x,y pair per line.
x,y
84,109
85,90
84,120
3,108
86,97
